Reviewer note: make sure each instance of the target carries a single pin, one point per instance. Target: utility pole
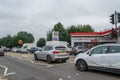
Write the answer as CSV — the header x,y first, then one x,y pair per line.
x,y
115,19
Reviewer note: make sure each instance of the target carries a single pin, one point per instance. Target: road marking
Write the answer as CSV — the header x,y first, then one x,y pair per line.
x,y
19,57
60,79
5,72
49,66
77,74
69,76
32,61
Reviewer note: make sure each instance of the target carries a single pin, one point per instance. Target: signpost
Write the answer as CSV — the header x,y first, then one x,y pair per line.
x,y
55,36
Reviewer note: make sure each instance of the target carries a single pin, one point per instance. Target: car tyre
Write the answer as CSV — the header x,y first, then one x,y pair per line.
x,y
81,65
49,59
35,57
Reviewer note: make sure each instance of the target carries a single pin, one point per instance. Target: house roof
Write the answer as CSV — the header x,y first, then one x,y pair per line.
x,y
92,33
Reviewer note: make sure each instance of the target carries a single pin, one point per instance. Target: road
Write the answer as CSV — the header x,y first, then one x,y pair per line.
x,y
31,70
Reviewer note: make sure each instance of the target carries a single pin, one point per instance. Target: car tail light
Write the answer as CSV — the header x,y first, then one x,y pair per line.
x,y
55,52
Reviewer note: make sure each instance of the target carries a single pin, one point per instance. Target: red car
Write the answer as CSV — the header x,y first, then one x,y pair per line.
x,y
1,52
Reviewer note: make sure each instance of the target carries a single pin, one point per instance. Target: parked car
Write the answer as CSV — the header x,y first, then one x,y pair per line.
x,y
52,53
16,50
1,52
104,57
33,49
78,49
23,50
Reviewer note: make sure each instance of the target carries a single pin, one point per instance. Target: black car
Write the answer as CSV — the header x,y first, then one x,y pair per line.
x,y
1,52
33,49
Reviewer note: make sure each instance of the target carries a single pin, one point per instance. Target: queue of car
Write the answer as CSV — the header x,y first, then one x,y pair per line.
x,y
103,57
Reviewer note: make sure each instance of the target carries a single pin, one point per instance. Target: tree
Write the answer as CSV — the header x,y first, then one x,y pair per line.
x,y
25,37
80,28
10,41
41,42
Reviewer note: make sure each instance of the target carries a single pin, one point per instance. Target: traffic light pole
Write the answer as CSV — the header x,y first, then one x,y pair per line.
x,y
115,19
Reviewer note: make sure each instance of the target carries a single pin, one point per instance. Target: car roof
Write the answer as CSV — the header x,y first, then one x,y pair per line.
x,y
110,44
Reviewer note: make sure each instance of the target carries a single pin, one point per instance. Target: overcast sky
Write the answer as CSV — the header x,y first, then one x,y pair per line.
x,y
39,16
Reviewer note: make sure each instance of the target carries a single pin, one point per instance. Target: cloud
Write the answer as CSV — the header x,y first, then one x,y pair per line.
x,y
39,16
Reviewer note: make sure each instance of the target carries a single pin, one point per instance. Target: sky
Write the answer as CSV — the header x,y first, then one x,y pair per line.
x,y
39,16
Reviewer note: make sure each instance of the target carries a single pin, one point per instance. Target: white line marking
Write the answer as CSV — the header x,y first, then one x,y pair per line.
x,y
9,74
69,76
32,61
60,79
19,57
49,66
77,74
5,72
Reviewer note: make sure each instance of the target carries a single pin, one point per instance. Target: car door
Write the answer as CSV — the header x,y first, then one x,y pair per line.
x,y
47,51
114,57
97,57
42,53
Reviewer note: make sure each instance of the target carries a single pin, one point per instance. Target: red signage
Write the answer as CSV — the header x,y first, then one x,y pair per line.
x,y
94,40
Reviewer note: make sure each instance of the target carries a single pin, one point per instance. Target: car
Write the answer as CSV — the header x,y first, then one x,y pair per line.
x,y
33,49
16,50
1,52
78,49
52,53
105,57
23,50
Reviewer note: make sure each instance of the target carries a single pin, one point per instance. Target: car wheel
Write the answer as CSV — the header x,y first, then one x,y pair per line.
x,y
81,65
35,57
49,59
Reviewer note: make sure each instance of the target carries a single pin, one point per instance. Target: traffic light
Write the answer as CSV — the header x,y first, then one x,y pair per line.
x,y
112,19
118,17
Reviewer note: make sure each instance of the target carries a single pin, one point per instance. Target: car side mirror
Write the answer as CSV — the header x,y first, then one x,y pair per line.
x,y
90,54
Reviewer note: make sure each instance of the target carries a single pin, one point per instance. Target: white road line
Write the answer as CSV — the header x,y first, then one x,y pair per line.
x,y
32,61
49,66
5,72
69,76
19,57
60,79
77,74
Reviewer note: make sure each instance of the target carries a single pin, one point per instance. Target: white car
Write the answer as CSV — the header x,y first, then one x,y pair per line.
x,y
52,53
104,57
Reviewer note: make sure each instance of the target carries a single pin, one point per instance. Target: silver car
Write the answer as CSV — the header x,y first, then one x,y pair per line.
x,y
52,53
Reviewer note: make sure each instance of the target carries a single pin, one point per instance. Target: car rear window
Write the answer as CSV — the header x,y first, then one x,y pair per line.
x,y
60,48
80,47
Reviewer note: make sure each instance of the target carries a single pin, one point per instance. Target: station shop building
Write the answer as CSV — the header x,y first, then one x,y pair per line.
x,y
89,39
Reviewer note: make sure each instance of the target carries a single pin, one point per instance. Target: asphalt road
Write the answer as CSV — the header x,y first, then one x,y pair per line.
x,y
30,70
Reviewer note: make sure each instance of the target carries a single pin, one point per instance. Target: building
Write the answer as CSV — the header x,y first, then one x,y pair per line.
x,y
92,38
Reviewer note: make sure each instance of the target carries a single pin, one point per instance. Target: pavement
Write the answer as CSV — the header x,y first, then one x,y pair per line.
x,y
30,57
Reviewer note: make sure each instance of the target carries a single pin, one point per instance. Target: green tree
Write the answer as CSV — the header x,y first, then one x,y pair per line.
x,y
41,42
26,37
80,28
